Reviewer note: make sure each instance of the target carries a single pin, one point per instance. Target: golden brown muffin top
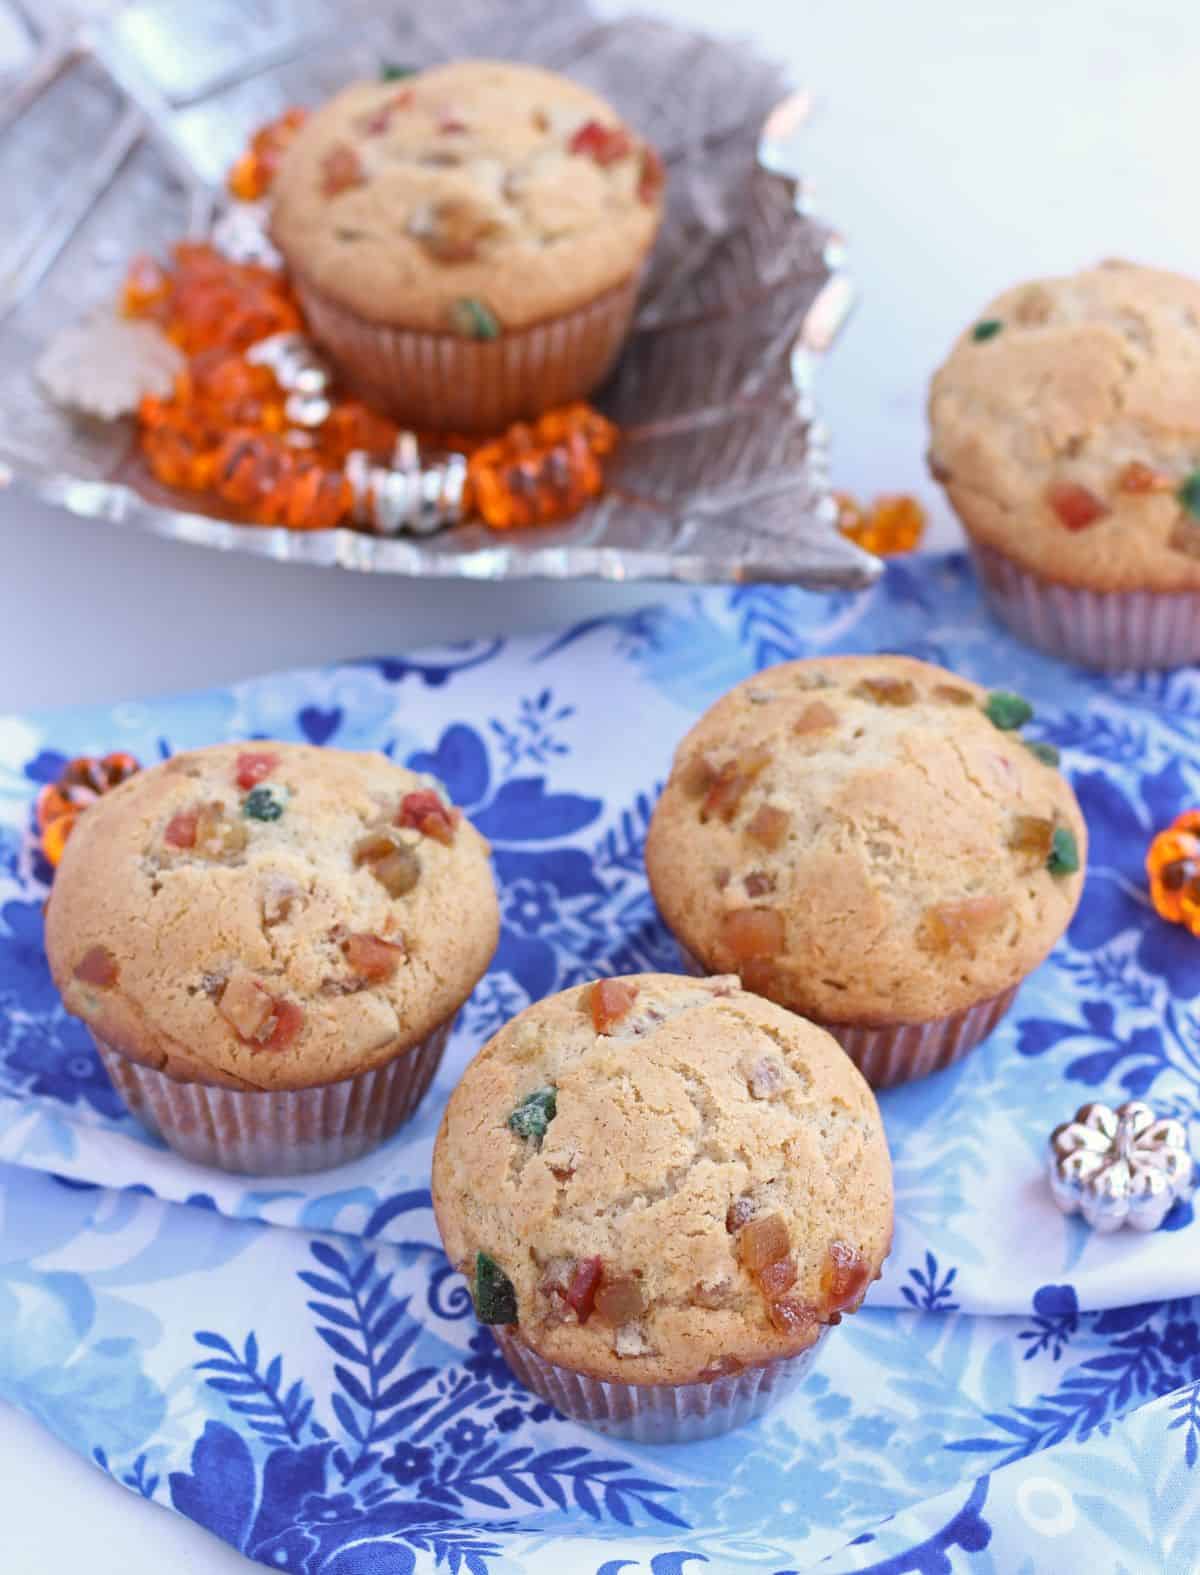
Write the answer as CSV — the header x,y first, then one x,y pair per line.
x,y
481,181
1065,426
270,915
660,1179
858,839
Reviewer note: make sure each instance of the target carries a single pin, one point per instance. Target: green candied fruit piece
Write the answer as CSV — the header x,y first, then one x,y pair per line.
x,y
390,72
473,320
1064,852
535,1113
1189,494
1007,710
987,329
264,803
1046,753
493,1294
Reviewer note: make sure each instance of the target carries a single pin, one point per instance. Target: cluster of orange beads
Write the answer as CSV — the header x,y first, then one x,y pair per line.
x,y
83,780
542,472
252,175
1173,865
894,523
225,429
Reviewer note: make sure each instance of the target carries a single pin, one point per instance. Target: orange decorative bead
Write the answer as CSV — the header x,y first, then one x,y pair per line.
x,y
253,174
146,288
894,523
535,475
1173,865
80,783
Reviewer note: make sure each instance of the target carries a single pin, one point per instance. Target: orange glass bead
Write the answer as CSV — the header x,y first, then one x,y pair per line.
x,y
146,288
54,837
352,425
537,475
1173,865
894,523
252,175
80,783
319,499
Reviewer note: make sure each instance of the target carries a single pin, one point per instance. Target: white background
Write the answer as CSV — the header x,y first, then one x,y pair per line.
x,y
958,145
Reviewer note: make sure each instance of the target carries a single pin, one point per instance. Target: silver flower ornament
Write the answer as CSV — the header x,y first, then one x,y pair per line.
x,y
1119,1167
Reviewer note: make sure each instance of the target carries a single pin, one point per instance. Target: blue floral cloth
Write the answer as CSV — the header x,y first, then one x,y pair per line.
x,y
1019,1394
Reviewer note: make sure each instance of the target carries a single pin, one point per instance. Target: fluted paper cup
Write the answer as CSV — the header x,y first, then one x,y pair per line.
x,y
657,1413
284,1132
1113,631
447,383
891,1053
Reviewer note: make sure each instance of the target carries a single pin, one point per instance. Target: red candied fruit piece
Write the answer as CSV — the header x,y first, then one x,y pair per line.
x,y
424,811
341,171
255,766
371,957
288,1021
604,144
97,966
652,176
844,1276
1076,506
181,829
609,1000
580,1294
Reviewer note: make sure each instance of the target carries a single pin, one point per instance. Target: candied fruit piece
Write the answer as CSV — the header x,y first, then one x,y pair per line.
x,y
398,873
698,774
97,966
619,1301
535,1113
777,1278
280,896
752,932
181,829
216,835
1076,506
454,229
789,1316
952,924
371,957
986,328
732,783
953,694
738,1212
762,1241
284,1027
844,1277
652,176
603,144
264,803
492,1292
769,828
247,1007
815,718
341,170
1063,858
425,812
1046,753
1188,493
254,766
761,976
1032,834
885,690
581,1288
1006,710
1140,479
609,1000
473,319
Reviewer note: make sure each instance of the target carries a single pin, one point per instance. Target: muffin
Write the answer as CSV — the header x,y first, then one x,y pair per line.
x,y
269,943
468,243
662,1192
869,841
1065,427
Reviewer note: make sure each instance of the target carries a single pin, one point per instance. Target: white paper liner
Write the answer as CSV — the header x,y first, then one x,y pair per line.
x,y
1113,631
447,383
657,1413
282,1133
891,1053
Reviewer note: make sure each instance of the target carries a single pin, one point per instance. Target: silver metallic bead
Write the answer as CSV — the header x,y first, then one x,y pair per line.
x,y
298,365
1120,1167
241,234
407,496
307,410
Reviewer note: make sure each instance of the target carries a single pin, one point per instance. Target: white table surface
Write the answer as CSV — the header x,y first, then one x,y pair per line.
x,y
958,144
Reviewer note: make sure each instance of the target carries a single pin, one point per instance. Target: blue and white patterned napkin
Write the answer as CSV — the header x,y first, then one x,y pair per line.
x,y
355,1420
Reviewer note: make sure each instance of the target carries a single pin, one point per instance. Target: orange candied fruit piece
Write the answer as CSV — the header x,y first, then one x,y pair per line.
x,y
609,1000
893,523
1139,478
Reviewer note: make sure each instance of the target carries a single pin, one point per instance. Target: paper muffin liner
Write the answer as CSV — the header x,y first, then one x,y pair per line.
x,y
658,1413
285,1132
1110,630
891,1053
445,382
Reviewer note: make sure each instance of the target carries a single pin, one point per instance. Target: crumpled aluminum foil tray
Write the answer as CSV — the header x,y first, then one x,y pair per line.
x,y
118,121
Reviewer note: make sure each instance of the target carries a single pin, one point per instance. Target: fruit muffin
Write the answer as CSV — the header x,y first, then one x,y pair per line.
x,y
869,841
662,1191
1065,428
468,242
269,943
